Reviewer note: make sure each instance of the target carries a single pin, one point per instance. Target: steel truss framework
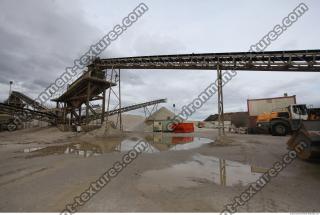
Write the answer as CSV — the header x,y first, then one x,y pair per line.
x,y
114,94
114,75
19,99
25,109
86,89
286,61
294,61
26,114
148,112
130,108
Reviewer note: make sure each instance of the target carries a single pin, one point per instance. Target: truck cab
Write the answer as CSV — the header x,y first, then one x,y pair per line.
x,y
298,112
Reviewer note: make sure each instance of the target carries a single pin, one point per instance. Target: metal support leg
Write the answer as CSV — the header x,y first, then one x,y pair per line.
x,y
103,106
120,114
87,102
79,122
109,96
220,102
71,118
64,113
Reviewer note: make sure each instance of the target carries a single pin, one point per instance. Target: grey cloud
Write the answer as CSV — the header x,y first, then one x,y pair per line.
x,y
155,44
39,38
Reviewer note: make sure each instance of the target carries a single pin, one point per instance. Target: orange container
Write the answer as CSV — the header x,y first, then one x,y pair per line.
x,y
181,140
184,128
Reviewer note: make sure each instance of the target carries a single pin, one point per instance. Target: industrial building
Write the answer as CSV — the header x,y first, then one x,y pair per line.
x,y
261,105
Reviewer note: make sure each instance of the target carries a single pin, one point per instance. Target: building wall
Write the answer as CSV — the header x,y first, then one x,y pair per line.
x,y
259,106
240,119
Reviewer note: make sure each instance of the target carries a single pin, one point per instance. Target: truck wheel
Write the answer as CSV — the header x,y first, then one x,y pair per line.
x,y
279,130
11,126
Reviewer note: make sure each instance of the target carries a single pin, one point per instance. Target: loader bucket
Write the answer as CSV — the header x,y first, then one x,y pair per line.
x,y
307,135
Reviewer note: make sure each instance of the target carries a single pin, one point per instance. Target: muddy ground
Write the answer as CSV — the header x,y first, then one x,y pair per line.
x,y
43,169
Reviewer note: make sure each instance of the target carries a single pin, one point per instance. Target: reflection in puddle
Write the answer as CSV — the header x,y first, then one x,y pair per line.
x,y
83,149
157,143
196,142
202,169
32,149
128,144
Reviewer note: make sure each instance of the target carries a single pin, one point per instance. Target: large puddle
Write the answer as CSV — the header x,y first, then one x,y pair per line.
x,y
201,169
159,143
156,143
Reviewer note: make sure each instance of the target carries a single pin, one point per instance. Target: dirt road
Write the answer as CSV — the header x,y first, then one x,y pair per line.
x,y
42,170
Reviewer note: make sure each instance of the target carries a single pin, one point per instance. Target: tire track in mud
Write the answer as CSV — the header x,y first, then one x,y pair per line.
x,y
23,176
261,204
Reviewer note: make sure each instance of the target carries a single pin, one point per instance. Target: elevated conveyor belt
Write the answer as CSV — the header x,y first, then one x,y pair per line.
x,y
17,97
28,114
25,114
128,108
293,61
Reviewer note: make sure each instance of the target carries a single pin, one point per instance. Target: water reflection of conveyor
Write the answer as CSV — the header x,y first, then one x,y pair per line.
x,y
223,175
217,170
202,169
159,143
83,149
100,146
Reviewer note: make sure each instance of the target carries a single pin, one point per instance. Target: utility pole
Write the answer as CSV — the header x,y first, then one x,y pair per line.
x,y
220,102
10,90
120,114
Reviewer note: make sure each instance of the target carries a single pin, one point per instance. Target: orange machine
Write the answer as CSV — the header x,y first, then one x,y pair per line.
x,y
307,140
281,123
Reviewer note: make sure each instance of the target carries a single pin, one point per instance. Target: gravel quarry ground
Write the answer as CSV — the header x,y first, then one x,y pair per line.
x,y
43,169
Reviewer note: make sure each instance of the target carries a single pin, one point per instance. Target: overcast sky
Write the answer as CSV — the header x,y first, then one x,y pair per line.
x,y
39,38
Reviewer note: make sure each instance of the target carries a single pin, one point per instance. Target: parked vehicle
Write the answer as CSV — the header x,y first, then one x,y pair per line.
x,y
284,122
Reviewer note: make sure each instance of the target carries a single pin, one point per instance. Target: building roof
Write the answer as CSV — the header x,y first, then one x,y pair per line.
x,y
227,116
280,97
215,117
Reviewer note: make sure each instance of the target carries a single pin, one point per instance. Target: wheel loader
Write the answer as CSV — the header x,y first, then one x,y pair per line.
x,y
307,134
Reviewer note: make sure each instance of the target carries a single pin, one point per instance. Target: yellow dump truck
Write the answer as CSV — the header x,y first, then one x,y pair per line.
x,y
284,122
